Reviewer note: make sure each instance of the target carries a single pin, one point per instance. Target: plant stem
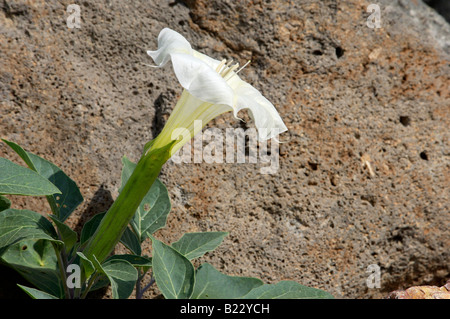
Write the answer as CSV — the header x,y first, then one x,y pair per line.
x,y
118,217
62,271
90,283
53,205
140,291
152,281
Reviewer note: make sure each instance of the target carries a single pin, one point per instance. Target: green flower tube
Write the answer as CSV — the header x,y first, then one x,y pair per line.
x,y
122,211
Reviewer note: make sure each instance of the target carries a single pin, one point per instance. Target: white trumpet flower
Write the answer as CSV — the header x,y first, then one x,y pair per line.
x,y
211,88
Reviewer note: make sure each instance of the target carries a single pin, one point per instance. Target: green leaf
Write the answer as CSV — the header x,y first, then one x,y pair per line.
x,y
19,180
121,274
62,205
174,273
68,236
212,284
128,239
90,227
194,245
100,282
134,260
287,290
36,261
88,266
36,294
5,203
21,152
16,224
151,214
71,196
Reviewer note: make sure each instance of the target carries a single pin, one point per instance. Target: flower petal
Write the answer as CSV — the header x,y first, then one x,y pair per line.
x,y
263,112
197,73
201,80
169,42
213,63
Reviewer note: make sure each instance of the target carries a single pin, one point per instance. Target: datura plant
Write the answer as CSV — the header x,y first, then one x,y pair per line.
x,y
61,263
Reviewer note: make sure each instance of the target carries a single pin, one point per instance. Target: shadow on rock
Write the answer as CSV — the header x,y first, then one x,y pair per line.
x,y
100,203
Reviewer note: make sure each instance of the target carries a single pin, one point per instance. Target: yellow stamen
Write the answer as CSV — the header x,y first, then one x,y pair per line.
x,y
243,67
219,67
230,70
226,70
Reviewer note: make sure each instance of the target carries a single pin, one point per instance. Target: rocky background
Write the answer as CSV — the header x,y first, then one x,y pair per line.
x,y
364,170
